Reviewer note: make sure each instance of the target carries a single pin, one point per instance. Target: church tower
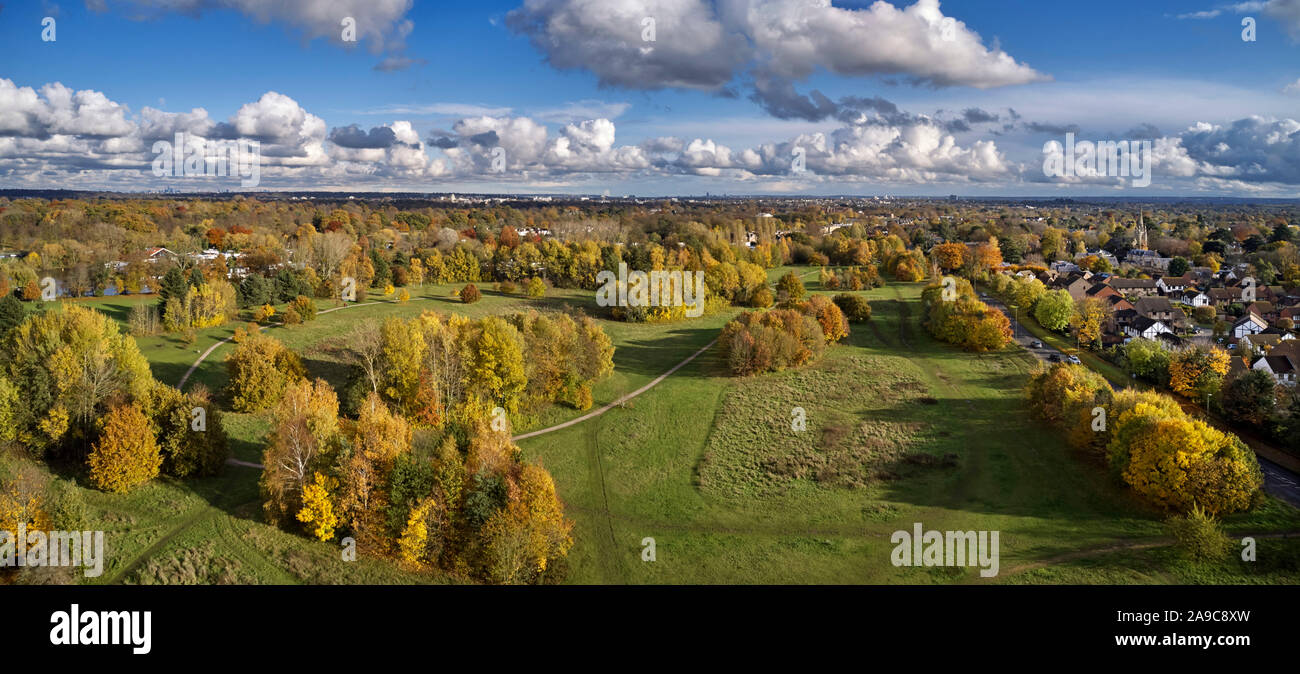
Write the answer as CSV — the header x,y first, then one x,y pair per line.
x,y
1141,233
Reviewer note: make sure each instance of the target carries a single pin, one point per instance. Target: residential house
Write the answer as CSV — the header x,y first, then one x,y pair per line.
x,y
1260,343
1192,298
1132,287
1063,267
1282,367
1220,298
1263,309
159,254
1173,284
1250,324
1157,308
1146,328
1078,288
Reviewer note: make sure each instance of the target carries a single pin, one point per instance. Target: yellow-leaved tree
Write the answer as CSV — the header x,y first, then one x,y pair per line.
x,y
66,364
415,546
1180,462
259,369
1198,372
317,512
126,454
378,437
521,540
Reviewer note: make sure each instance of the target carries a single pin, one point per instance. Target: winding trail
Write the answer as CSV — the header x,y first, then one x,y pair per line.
x,y
186,377
621,400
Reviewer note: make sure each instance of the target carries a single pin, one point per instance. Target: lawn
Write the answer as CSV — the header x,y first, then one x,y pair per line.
x,y
706,466
900,429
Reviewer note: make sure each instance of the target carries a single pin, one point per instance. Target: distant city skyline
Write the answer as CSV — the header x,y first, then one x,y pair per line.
x,y
652,97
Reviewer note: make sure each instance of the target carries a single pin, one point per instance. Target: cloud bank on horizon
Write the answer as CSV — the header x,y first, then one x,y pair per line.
x,y
761,52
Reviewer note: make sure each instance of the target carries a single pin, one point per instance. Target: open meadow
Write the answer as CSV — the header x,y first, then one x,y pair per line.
x,y
899,429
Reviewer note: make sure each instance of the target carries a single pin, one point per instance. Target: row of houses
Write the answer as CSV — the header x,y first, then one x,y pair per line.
x,y
1158,309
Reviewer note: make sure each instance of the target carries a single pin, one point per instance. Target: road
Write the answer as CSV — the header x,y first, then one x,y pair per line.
x,y
1278,480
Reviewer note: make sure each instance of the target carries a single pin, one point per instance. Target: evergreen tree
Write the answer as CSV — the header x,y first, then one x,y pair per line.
x,y
173,285
11,313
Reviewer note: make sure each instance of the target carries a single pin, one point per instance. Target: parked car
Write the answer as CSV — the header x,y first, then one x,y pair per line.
x,y
1073,360
1054,358
1036,344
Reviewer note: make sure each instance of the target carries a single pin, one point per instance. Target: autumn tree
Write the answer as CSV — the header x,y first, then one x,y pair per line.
x,y
855,307
493,358
1181,462
985,257
522,539
305,430
126,454
949,256
1251,398
829,316
789,288
190,431
378,438
1088,320
1197,372
317,511
470,294
259,369
66,364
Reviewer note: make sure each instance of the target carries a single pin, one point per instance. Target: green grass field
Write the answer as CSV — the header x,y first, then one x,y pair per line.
x,y
688,465
900,429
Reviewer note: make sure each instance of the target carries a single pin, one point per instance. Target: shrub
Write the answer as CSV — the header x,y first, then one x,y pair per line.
x,y
1199,536
770,341
291,316
470,294
305,306
829,316
855,307
535,287
761,299
507,288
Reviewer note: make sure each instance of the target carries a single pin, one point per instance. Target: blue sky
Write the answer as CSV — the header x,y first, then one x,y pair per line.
x,y
513,77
